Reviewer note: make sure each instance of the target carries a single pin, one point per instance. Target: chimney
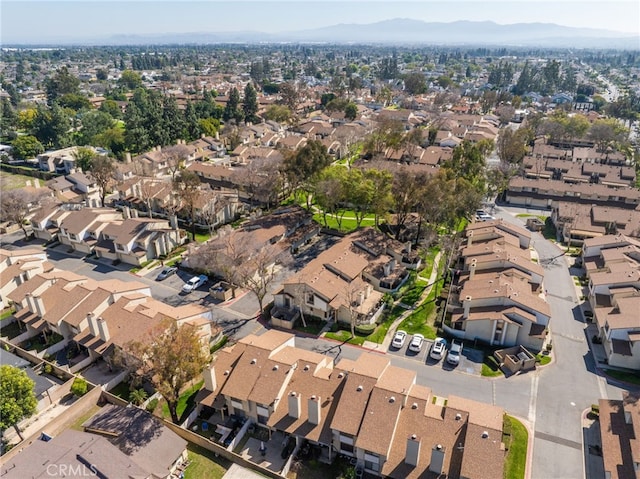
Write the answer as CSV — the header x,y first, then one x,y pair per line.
x,y
126,212
27,183
392,264
387,269
472,268
103,329
39,305
209,376
294,405
134,213
30,303
202,135
217,136
127,157
466,304
315,415
412,455
407,247
437,459
360,298
469,238
173,221
93,324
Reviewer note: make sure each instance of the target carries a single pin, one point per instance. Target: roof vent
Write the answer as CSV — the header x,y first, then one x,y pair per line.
x,y
306,367
414,437
254,360
226,373
313,398
392,399
414,405
438,446
458,416
485,434
292,393
275,367
340,375
359,388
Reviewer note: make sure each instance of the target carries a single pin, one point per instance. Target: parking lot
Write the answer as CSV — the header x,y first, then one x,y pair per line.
x,y
470,362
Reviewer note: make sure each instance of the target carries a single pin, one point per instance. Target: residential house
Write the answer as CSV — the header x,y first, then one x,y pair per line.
x,y
612,263
18,266
575,222
58,161
80,229
620,436
497,296
365,409
114,447
347,281
41,384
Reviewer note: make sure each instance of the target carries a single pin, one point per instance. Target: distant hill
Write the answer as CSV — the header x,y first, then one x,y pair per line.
x,y
396,31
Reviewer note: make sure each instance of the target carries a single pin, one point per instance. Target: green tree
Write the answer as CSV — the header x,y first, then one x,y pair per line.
x,y
209,126
83,157
231,109
15,205
79,387
74,101
302,167
61,83
250,104
17,397
102,74
25,147
94,123
172,360
351,111
51,126
415,83
130,79
278,113
112,108
138,396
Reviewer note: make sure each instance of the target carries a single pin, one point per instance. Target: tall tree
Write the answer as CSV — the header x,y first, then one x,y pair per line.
x,y
172,359
231,109
302,167
51,126
25,147
187,188
102,171
17,397
250,104
61,83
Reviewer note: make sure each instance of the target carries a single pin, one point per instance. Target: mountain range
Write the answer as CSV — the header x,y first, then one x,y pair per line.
x,y
397,31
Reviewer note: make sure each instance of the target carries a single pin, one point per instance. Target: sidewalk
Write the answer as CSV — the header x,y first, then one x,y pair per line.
x,y
431,281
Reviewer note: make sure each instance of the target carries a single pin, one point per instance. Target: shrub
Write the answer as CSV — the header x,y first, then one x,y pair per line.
x,y
152,405
79,387
365,329
48,369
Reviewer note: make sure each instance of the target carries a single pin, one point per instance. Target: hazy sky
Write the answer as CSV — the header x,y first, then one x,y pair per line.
x,y
32,21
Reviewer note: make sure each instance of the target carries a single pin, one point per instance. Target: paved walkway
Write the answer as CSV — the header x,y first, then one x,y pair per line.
x,y
389,337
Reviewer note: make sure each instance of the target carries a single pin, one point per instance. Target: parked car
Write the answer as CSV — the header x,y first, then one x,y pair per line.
x,y
166,272
482,215
194,283
438,349
453,357
416,343
399,338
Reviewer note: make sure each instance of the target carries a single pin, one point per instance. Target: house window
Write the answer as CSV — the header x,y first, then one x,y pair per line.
x,y
237,405
309,298
263,414
73,237
287,302
371,461
346,444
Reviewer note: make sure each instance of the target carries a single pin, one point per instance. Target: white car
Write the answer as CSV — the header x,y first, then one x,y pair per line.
x,y
399,338
438,349
416,343
194,283
482,215
453,357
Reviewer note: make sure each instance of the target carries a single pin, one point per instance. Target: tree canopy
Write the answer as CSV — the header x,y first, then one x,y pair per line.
x,y
17,397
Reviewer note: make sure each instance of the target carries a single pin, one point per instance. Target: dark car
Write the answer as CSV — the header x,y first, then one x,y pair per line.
x,y
166,272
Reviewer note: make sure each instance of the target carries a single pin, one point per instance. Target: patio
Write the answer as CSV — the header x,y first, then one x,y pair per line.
x,y
269,458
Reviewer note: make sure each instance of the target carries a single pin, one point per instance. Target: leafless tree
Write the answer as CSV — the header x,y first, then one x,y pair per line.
x,y
15,206
175,156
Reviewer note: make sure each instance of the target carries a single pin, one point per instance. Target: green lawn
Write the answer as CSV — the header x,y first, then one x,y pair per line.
x,y
204,464
345,336
6,313
122,390
12,181
543,359
347,224
202,237
314,326
421,319
633,378
186,402
515,437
